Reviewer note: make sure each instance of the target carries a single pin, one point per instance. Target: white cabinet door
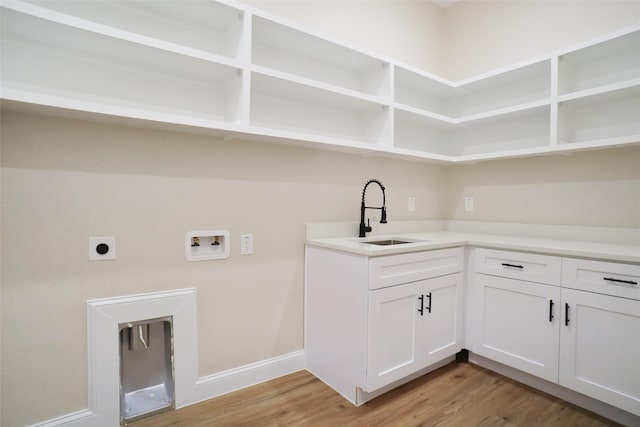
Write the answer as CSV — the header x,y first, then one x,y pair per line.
x,y
393,332
441,322
412,326
517,324
600,347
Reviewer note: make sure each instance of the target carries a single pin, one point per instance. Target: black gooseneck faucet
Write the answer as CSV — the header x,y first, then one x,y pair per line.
x,y
383,216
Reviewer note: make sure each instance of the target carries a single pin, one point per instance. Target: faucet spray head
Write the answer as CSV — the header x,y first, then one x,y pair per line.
x,y
383,217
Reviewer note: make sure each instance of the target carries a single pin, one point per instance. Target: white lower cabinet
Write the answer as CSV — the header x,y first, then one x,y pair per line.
x,y
582,332
412,326
372,322
518,324
600,348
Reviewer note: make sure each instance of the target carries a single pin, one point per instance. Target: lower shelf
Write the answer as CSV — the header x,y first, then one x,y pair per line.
x,y
604,117
527,129
284,105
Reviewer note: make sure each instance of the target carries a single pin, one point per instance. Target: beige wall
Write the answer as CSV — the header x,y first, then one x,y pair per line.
x,y
481,36
408,31
594,188
597,188
65,180
466,39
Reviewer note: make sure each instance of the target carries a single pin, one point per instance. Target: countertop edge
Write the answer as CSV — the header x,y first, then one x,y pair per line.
x,y
579,249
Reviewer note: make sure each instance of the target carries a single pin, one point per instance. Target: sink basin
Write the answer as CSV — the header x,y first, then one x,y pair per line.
x,y
389,242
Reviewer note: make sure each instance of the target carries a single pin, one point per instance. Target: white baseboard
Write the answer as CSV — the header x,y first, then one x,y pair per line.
x,y
206,387
245,376
74,419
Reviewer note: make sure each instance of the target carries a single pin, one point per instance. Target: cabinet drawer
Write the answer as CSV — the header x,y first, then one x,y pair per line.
x,y
396,269
611,278
519,265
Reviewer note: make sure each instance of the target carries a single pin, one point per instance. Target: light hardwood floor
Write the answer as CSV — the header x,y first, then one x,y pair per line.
x,y
459,394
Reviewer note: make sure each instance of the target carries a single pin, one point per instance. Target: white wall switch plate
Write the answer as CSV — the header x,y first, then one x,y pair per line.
x,y
246,244
468,204
412,204
102,248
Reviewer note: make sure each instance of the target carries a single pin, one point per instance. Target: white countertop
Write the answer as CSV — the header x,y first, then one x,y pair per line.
x,y
623,252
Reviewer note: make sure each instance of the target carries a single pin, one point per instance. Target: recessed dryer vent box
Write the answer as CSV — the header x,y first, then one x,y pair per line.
x,y
206,245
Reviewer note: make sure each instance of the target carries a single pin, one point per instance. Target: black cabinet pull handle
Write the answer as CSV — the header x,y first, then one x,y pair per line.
x,y
504,264
550,310
421,309
566,314
429,307
628,282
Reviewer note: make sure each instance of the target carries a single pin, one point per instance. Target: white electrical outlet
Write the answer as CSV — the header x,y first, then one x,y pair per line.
x,y
246,244
412,204
102,248
468,204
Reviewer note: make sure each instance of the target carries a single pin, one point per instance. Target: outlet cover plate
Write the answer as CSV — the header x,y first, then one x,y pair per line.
x,y
246,244
95,242
468,204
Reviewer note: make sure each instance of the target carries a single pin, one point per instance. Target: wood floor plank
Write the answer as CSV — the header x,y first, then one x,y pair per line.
x,y
459,394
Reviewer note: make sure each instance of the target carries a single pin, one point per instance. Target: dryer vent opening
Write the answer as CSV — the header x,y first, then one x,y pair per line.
x,y
146,368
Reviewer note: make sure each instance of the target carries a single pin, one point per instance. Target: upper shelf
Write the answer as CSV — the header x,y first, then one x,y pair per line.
x,y
207,26
228,68
45,59
509,89
286,49
603,64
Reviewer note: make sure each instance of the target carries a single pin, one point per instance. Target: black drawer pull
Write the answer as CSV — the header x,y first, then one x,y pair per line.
x,y
421,309
628,282
504,264
566,314
429,306
550,310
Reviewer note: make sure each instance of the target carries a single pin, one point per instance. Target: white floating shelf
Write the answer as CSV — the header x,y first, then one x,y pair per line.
x,y
316,84
604,63
282,104
412,89
286,49
607,116
41,56
627,84
207,26
225,68
526,128
518,86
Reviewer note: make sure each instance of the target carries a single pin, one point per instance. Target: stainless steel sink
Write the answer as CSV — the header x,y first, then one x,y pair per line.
x,y
389,242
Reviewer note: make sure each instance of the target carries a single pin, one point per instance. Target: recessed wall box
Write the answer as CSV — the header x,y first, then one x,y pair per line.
x,y
102,248
206,245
